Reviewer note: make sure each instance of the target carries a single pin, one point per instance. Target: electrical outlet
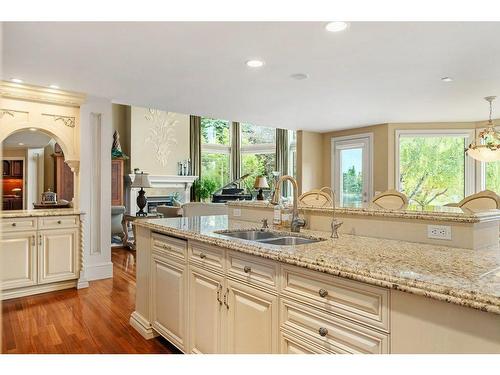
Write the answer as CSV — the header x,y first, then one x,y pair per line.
x,y
236,212
439,232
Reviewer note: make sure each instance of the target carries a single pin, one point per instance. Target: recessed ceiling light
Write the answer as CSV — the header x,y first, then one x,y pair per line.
x,y
446,79
299,76
336,26
21,144
54,86
16,80
255,63
33,129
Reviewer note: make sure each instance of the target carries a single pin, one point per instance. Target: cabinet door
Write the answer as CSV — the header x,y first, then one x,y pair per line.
x,y
252,320
205,309
58,255
117,182
169,304
18,259
16,168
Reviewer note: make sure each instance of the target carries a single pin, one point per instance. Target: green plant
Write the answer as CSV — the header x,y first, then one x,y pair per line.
x,y
204,188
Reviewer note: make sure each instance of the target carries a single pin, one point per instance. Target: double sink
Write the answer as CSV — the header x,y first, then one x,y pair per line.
x,y
271,238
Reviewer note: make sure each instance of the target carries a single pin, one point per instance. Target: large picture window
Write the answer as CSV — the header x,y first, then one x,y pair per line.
x,y
215,151
432,168
258,150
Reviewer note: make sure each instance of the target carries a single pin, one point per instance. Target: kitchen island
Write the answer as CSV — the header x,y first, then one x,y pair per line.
x,y
41,251
209,293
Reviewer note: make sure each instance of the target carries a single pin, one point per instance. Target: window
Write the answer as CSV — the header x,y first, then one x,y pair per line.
x,y
215,151
258,151
492,174
433,169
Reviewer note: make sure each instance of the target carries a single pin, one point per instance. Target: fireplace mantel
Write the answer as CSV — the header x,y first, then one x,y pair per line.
x,y
163,182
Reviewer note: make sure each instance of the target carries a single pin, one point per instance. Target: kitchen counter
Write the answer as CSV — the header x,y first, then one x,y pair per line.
x,y
430,213
40,213
460,276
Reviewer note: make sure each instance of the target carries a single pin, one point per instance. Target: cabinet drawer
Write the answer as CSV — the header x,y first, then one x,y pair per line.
x,y
207,256
18,224
252,269
358,301
296,344
169,246
55,222
331,332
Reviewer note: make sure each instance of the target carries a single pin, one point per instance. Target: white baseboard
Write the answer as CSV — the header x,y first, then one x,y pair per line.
x,y
99,271
142,326
37,289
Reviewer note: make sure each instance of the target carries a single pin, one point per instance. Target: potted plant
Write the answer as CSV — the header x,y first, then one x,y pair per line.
x,y
204,188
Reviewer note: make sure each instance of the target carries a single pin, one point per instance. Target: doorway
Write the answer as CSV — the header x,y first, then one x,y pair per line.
x,y
352,165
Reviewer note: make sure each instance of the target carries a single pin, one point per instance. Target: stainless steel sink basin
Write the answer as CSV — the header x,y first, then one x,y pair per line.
x,y
270,238
289,241
251,235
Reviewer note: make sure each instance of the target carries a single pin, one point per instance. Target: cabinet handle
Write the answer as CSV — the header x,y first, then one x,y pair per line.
x,y
219,289
323,332
226,298
40,240
14,224
247,269
323,293
203,255
59,221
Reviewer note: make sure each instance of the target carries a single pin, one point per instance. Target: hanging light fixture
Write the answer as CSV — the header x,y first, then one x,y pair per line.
x,y
487,146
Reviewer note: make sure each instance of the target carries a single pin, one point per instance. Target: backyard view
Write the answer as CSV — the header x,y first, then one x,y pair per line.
x,y
432,169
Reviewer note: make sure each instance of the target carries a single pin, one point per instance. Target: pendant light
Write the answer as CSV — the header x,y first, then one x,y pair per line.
x,y
487,146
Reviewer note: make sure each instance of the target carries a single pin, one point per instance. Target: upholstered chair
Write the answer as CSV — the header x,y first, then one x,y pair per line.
x,y
484,200
390,200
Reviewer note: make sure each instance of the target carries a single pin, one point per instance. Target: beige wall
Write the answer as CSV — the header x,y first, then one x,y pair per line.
x,y
158,141
48,167
380,154
309,160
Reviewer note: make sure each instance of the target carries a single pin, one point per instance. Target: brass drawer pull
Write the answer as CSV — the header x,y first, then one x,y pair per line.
x,y
247,269
203,255
323,293
59,222
323,332
219,290
14,224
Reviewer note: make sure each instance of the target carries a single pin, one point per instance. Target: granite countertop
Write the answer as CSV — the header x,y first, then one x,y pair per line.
x,y
40,213
465,277
432,213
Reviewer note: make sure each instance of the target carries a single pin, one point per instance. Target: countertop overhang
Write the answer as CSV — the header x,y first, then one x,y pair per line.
x,y
40,213
464,277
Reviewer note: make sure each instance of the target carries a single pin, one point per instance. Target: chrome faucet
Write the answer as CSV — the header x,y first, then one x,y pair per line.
x,y
297,222
335,224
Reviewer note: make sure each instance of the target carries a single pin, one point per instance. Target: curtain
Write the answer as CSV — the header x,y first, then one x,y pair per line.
x,y
282,156
195,148
235,151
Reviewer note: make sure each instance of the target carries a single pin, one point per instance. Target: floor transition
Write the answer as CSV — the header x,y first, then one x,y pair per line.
x,y
91,320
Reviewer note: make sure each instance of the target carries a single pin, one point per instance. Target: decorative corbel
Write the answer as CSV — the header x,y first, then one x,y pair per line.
x,y
74,165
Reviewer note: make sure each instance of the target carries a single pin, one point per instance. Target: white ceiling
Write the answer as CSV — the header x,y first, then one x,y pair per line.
x,y
371,73
30,139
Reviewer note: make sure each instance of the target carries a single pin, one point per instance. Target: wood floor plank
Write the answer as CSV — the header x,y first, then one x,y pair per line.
x,y
85,321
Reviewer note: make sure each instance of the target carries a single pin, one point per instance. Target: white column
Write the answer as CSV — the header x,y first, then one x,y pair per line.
x,y
95,186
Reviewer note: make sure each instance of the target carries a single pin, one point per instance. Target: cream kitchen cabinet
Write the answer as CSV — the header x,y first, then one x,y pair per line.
x,y
252,319
58,260
169,300
39,255
207,311
18,260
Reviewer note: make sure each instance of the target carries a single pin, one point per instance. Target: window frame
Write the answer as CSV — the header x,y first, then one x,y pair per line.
x,y
257,148
215,148
470,178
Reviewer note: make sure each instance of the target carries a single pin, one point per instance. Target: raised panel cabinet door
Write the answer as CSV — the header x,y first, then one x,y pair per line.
x,y
169,302
117,182
18,260
16,168
205,311
58,251
252,320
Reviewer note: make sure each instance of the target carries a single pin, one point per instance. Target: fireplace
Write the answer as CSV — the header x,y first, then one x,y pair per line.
x,y
158,200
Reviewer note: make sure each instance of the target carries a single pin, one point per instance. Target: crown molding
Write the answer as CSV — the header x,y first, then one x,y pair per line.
x,y
41,94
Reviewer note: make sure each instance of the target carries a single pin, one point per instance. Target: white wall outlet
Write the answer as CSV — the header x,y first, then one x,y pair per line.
x,y
439,232
236,212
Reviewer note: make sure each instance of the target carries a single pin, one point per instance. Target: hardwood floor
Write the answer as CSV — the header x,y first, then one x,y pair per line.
x,y
91,320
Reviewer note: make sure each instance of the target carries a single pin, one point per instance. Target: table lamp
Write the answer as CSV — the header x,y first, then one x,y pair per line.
x,y
260,183
141,180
